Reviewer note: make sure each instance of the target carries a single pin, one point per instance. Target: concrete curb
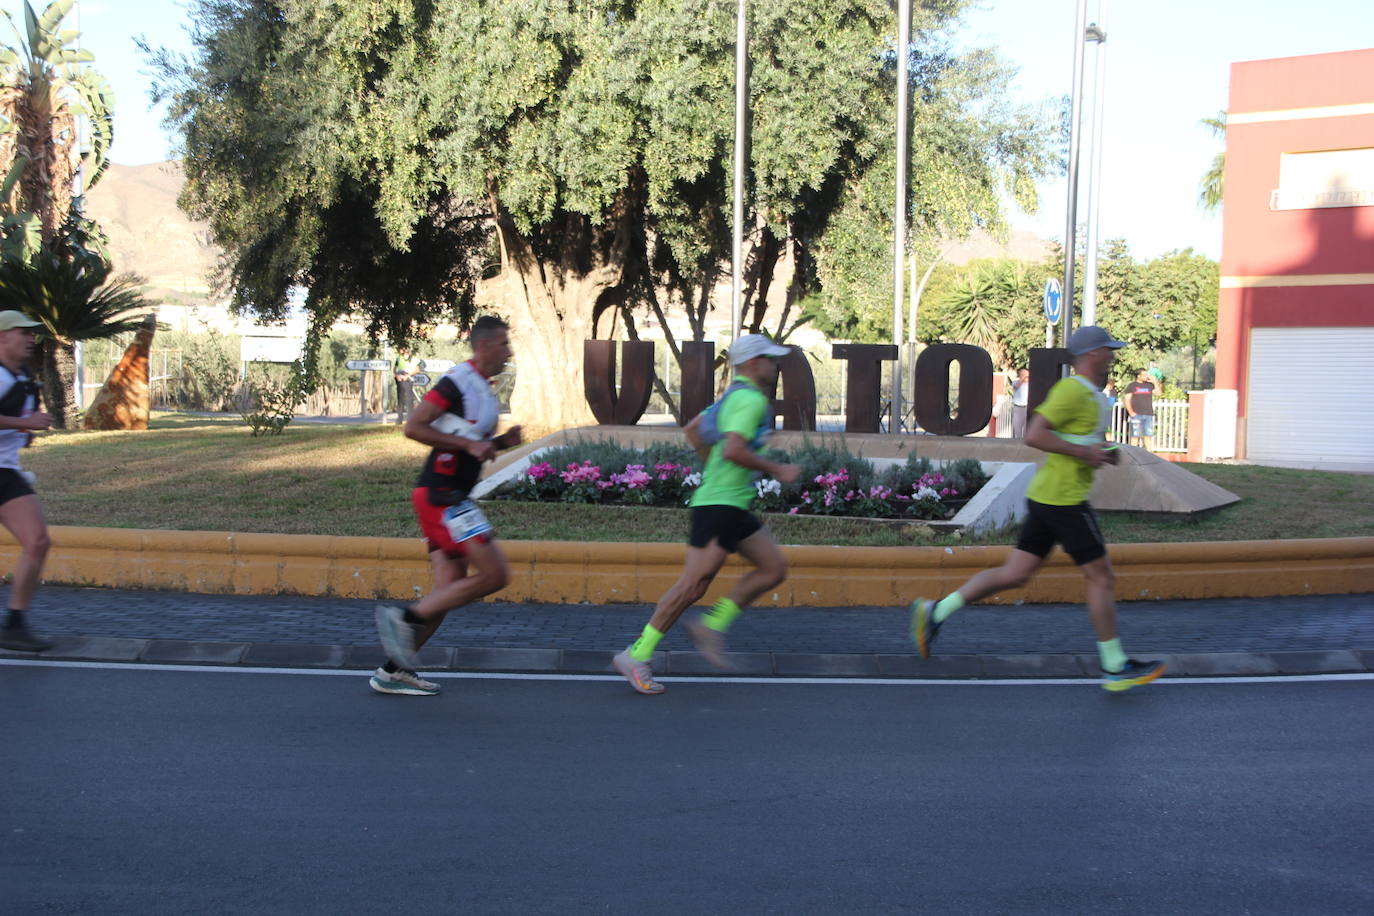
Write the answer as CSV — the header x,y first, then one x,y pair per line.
x,y
600,573
689,664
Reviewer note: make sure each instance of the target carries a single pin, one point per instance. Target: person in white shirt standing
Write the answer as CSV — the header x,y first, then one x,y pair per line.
x,y
1020,398
20,511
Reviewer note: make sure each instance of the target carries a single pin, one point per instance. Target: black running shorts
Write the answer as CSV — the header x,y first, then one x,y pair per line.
x,y
13,485
1074,528
723,524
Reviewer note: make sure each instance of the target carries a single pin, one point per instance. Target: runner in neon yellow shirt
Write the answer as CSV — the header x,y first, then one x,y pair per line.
x,y
721,521
1070,427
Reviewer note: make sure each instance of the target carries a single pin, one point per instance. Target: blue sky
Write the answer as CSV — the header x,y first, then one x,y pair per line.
x,y
1167,67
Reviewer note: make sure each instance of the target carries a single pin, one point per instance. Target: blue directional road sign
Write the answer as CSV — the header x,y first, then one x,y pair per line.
x,y
1054,301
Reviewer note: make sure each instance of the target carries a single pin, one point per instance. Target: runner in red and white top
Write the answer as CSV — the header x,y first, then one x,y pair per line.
x,y
456,419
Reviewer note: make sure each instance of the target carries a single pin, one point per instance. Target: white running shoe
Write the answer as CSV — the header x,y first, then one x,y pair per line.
x,y
397,636
710,644
404,682
639,674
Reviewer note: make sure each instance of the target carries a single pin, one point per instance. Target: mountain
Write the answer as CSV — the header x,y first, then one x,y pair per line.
x,y
1019,246
136,205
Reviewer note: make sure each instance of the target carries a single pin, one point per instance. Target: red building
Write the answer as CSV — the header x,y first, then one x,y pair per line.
x,y
1295,333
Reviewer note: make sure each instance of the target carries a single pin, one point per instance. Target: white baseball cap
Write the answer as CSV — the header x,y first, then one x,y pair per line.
x,y
751,346
9,320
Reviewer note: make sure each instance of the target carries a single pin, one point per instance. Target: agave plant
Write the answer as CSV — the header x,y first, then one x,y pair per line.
x,y
73,299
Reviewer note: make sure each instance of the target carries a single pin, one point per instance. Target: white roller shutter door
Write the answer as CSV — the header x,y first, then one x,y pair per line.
x,y
1310,402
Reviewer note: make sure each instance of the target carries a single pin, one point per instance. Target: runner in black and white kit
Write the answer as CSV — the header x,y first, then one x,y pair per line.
x,y
467,561
20,510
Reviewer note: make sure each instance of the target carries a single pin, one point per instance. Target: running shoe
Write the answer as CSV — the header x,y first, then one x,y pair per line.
x,y
709,643
1133,675
403,682
924,629
22,639
397,636
639,674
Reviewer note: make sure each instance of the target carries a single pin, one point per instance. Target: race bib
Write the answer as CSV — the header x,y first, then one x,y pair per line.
x,y
465,521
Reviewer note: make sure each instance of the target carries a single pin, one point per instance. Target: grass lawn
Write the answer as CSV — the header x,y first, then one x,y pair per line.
x,y
209,474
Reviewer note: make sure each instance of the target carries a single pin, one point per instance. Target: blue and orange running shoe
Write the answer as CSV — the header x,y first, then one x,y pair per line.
x,y
1135,674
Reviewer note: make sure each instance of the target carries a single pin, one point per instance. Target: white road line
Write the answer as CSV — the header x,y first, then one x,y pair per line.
x,y
756,681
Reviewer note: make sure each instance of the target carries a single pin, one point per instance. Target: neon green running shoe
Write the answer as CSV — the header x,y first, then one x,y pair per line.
x,y
924,629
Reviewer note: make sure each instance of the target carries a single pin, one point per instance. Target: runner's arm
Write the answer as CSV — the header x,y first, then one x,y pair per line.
x,y
418,428
693,431
37,420
1040,435
736,450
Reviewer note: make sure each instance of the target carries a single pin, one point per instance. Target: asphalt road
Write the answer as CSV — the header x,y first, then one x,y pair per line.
x,y
152,791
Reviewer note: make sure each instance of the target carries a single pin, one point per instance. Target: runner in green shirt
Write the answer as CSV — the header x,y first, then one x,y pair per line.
x,y
721,522
1069,426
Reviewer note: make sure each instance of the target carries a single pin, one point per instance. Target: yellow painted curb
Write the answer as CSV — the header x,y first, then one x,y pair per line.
x,y
572,572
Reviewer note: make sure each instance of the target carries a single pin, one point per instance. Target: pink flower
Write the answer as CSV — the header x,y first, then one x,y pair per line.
x,y
794,510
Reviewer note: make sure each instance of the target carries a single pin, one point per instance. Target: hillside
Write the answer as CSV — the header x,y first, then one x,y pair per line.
x,y
137,207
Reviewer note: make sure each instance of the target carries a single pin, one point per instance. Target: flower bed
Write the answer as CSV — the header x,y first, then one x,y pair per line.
x,y
833,482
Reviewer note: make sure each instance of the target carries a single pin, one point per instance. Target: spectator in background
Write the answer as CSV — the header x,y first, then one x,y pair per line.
x,y
1140,406
1020,395
403,370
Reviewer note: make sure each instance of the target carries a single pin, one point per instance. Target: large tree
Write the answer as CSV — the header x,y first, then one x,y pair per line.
x,y
572,156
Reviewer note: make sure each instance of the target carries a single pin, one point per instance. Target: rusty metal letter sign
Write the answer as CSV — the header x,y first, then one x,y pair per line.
x,y
972,406
863,389
698,388
1045,366
971,411
636,380
798,404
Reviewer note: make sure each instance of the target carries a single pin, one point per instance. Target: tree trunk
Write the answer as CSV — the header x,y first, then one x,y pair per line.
x,y
549,304
58,369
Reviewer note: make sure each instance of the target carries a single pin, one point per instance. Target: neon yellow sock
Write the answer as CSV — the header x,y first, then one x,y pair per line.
x,y
644,646
1113,656
946,606
723,613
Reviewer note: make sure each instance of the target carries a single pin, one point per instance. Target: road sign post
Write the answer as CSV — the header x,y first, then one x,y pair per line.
x,y
365,366
1054,308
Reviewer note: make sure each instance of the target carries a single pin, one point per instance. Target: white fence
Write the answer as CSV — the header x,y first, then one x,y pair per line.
x,y
1171,424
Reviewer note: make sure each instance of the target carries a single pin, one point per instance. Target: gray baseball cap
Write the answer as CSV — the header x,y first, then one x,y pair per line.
x,y
1090,337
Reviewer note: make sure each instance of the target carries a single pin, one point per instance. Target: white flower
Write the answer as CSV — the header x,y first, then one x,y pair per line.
x,y
692,480
765,487
927,493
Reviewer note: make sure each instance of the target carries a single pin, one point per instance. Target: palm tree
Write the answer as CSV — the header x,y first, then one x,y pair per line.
x,y
1209,194
979,304
45,92
74,299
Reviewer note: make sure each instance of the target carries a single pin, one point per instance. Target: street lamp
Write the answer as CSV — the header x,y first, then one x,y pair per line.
x,y
741,133
894,424
1096,32
1082,34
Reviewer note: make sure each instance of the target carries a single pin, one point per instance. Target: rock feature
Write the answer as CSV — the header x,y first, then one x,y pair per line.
x,y
123,402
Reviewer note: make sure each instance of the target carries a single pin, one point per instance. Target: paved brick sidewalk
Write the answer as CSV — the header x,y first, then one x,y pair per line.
x,y
1228,636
